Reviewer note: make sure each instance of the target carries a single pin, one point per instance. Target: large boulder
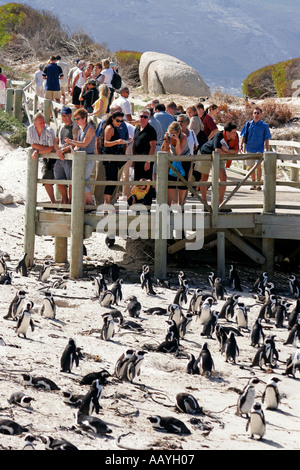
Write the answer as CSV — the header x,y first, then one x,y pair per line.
x,y
162,73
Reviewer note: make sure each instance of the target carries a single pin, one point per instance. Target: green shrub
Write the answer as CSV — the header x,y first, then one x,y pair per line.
x,y
12,130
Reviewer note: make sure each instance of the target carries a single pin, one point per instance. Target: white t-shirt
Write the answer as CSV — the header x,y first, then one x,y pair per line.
x,y
124,105
108,75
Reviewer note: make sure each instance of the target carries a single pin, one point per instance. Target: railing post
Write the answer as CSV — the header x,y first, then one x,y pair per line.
x,y
30,207
77,214
270,169
215,188
160,257
47,111
18,98
9,104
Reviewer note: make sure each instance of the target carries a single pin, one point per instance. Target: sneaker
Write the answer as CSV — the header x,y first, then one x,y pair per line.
x,y
253,188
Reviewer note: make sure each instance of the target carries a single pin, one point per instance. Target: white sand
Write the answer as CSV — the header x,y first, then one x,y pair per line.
x,y
125,406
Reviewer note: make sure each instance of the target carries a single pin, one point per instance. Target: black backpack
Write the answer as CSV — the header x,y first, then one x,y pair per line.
x,y
202,139
116,81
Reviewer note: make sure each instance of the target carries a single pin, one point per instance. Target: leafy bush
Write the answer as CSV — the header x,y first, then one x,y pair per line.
x,y
12,130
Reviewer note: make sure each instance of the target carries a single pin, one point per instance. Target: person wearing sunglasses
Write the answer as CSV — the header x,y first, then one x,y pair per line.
x,y
113,144
85,142
144,143
255,138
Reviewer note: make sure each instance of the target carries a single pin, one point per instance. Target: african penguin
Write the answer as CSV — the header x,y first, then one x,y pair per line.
x,y
204,364
168,424
234,279
25,320
10,427
39,382
6,279
211,279
271,395
292,364
134,365
48,308
134,307
102,376
294,335
209,326
72,399
181,294
231,348
171,346
92,424
146,281
69,356
247,397
121,364
116,289
175,313
21,399
3,266
60,283
190,367
107,298
221,336
294,315
205,311
21,266
172,331
155,311
56,444
256,422
186,403
45,271
280,313
90,402
100,284
257,334
183,324
294,285
195,301
28,442
259,284
108,328
16,305
219,290
241,316
227,310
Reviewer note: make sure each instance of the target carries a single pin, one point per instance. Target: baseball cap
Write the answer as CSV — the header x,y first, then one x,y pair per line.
x,y
66,110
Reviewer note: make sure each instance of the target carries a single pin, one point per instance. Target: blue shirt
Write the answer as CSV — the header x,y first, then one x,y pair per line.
x,y
52,72
256,134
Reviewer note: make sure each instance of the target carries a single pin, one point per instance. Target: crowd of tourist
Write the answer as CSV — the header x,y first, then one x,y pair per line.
x,y
104,124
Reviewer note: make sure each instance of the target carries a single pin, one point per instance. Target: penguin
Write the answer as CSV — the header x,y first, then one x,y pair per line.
x,y
292,364
171,346
72,399
190,367
247,397
116,315
116,289
16,306
134,365
45,271
100,284
108,328
6,279
281,314
10,427
90,402
3,266
168,424
181,294
269,289
28,442
183,324
120,366
205,364
231,349
241,316
48,308
265,312
195,300
60,283
259,284
39,382
219,290
172,332
294,314
92,424
21,399
234,279
69,356
186,403
175,313
205,311
221,336
155,311
110,241
181,277
210,325
107,298
294,335
211,277
257,335
260,357
294,285
56,444
134,307
102,376
25,320
227,310
21,266
256,422
146,282
271,395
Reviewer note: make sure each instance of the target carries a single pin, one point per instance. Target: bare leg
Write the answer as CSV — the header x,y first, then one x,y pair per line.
x,y
203,189
222,189
50,192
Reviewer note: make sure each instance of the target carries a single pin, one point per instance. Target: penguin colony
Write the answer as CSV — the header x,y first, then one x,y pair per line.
x,y
197,344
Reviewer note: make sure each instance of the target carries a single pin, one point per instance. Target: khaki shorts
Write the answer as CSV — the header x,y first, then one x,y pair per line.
x,y
63,89
52,95
205,166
